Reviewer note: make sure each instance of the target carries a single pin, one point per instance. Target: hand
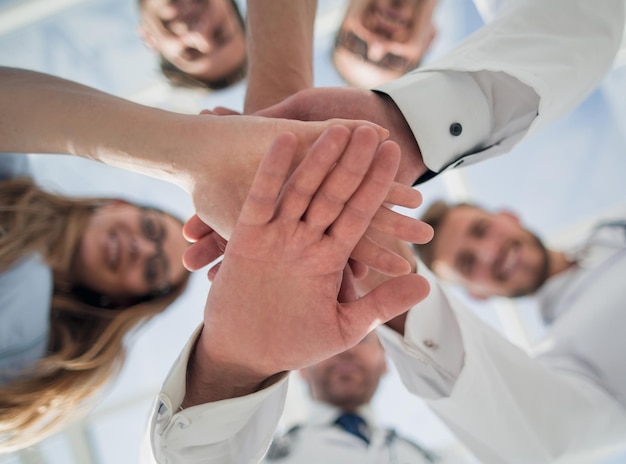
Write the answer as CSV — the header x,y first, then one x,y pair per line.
x,y
274,305
217,171
366,252
208,245
350,103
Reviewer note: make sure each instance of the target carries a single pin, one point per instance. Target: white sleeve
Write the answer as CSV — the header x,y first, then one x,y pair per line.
x,y
503,405
536,61
231,431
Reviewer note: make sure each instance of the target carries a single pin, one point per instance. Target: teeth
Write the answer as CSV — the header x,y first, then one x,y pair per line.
x,y
509,261
394,21
115,252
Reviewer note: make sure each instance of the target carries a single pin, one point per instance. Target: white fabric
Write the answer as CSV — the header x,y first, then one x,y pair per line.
x,y
510,79
25,292
589,313
518,74
318,440
508,407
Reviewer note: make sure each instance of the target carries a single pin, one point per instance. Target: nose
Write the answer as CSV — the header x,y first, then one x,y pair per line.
x,y
376,50
198,35
144,247
486,253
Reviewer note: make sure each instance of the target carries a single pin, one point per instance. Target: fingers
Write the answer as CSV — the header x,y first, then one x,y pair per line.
x,y
344,179
310,174
195,228
206,250
370,254
260,204
220,111
403,227
403,195
360,209
358,269
385,302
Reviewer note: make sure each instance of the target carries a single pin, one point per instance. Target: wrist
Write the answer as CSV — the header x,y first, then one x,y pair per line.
x,y
412,165
210,378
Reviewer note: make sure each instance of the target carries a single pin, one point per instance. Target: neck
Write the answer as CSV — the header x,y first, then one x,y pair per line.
x,y
557,262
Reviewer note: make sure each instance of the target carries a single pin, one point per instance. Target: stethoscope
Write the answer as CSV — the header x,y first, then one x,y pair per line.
x,y
282,447
391,441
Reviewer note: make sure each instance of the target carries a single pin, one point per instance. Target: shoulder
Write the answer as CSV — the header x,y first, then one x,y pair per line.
x,y
25,293
13,165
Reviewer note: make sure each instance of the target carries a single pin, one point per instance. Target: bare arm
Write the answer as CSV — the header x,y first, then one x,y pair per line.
x,y
280,50
202,154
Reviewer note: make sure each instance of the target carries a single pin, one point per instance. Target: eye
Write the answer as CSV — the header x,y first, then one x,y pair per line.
x,y
151,227
220,36
155,273
479,228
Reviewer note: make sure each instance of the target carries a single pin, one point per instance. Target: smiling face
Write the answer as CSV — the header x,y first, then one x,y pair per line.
x,y
380,40
202,38
128,251
349,379
488,254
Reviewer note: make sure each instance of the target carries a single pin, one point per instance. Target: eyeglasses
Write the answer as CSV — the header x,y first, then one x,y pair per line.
x,y
356,45
157,265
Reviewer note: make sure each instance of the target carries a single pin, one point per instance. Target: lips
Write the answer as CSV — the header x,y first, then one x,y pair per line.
x,y
389,20
507,261
113,251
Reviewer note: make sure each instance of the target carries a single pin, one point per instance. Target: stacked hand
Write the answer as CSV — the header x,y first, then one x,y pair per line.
x,y
275,303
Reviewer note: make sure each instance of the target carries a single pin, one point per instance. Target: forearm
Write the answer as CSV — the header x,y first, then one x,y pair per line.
x,y
280,50
499,88
45,114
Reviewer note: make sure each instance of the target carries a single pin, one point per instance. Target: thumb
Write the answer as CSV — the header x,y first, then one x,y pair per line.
x,y
390,299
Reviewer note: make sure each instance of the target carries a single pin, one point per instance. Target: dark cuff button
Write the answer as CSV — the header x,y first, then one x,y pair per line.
x,y
456,129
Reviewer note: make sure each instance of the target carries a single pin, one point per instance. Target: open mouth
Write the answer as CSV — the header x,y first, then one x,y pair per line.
x,y
389,20
113,251
507,261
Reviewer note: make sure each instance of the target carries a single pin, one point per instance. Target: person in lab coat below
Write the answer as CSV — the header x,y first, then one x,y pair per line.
x,y
342,426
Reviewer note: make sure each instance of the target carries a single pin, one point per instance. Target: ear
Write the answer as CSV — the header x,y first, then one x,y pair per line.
x,y
146,37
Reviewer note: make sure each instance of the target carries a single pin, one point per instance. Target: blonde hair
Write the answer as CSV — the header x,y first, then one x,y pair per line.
x,y
86,343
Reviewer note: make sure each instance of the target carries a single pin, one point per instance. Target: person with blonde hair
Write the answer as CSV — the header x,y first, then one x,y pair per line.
x,y
77,275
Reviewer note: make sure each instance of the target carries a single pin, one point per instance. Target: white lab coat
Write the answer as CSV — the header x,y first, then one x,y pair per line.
x,y
525,69
319,441
588,306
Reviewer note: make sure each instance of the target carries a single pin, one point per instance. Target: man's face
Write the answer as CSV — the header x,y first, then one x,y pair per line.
x,y
489,254
380,40
202,38
349,379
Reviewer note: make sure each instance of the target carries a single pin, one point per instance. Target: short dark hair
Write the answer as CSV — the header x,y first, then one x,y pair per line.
x,y
435,216
180,78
